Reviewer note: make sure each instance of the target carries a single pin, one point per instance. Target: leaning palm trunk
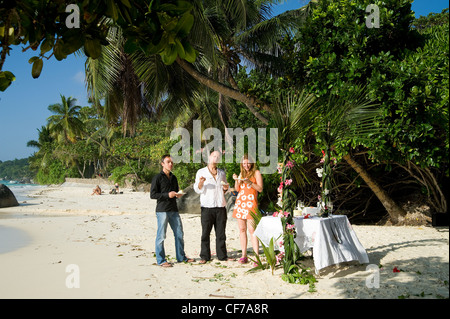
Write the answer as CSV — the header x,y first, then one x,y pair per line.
x,y
394,211
251,102
351,117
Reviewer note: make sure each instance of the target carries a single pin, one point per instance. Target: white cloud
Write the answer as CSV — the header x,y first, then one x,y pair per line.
x,y
79,77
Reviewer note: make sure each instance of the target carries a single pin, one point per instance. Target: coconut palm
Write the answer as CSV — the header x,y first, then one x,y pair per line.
x,y
225,32
44,147
344,120
65,125
228,33
112,77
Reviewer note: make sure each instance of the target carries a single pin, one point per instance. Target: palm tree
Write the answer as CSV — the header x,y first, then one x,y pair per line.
x,y
344,118
225,32
65,125
230,32
112,77
44,145
294,116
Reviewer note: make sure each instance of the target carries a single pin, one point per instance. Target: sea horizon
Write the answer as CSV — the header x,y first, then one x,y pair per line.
x,y
21,190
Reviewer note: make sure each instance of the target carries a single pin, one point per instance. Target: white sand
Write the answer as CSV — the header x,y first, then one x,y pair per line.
x,y
110,239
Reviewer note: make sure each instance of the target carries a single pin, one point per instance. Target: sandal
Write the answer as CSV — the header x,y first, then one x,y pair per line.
x,y
243,260
189,260
166,265
202,261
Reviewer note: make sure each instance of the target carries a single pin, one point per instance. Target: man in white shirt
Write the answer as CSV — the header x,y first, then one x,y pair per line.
x,y
211,184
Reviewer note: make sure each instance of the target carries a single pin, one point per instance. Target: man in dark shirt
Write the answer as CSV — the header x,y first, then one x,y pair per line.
x,y
165,190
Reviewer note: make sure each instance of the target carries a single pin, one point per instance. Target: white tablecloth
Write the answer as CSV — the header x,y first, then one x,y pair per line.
x,y
332,238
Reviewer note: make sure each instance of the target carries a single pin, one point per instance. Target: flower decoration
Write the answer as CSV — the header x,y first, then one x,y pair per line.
x,y
319,171
290,164
279,257
280,168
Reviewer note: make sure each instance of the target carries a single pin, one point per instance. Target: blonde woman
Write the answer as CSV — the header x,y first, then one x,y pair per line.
x,y
247,184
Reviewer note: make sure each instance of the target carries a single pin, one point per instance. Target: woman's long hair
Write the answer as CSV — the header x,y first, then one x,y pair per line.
x,y
252,170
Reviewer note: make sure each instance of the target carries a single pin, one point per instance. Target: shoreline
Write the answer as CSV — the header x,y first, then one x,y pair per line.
x,y
110,238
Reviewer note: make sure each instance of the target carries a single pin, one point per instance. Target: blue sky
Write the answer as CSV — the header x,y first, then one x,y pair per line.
x,y
23,106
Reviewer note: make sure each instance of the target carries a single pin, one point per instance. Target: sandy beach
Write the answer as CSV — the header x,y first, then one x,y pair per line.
x,y
107,243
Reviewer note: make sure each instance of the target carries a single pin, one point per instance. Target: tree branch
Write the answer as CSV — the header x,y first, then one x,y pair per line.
x,y
249,101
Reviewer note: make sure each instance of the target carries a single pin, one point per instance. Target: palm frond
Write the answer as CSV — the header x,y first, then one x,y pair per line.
x,y
350,116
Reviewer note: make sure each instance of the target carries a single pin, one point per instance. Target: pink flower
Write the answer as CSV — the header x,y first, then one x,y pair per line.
x,y
280,188
290,226
290,164
292,150
280,168
279,257
288,182
278,214
286,214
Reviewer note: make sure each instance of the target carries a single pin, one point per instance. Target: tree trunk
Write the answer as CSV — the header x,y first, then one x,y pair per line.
x,y
249,101
392,208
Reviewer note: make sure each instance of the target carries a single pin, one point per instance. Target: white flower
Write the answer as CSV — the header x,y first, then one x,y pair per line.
x,y
326,191
319,171
279,202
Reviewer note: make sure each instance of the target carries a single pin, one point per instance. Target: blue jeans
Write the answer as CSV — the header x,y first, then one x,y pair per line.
x,y
174,220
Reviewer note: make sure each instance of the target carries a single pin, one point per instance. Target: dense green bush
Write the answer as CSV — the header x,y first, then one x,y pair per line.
x,y
55,173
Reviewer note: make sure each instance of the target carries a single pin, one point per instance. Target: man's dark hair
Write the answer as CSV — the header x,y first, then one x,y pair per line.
x,y
164,157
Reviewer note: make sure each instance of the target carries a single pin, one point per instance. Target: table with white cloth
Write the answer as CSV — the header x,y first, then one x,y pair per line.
x,y
332,239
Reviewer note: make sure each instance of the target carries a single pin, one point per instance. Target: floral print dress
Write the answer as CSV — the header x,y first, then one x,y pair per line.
x,y
246,201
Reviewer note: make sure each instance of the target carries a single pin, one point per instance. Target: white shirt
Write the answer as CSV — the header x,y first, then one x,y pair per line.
x,y
211,194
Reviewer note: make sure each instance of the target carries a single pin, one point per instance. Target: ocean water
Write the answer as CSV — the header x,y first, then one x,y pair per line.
x,y
21,191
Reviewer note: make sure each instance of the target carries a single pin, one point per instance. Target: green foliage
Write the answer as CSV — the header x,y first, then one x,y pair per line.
x,y
405,72
6,78
296,275
271,258
143,173
15,169
149,143
155,27
185,173
65,124
414,97
55,173
432,19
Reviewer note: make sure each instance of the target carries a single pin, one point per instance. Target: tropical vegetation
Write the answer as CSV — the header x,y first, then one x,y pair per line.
x,y
367,107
